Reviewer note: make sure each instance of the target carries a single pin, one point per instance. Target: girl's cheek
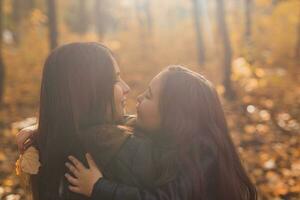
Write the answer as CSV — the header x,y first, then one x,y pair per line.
x,y
118,94
143,112
118,101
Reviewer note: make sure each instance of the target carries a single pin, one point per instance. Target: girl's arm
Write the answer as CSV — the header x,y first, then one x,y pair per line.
x,y
105,189
89,182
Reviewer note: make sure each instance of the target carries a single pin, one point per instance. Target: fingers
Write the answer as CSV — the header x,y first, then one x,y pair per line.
x,y
76,163
75,189
73,169
71,179
90,161
23,136
27,144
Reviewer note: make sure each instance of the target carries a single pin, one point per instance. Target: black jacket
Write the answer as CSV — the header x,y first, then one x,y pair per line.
x,y
177,186
122,156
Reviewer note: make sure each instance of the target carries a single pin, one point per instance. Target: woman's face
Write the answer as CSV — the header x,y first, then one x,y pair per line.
x,y
121,89
148,115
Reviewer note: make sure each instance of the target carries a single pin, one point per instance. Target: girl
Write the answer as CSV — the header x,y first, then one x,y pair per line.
x,y
82,102
194,154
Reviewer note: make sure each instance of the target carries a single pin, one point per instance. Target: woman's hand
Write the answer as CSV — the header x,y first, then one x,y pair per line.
x,y
85,178
23,137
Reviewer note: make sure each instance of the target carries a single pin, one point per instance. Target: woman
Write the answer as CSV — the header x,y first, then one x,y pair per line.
x,y
82,101
195,154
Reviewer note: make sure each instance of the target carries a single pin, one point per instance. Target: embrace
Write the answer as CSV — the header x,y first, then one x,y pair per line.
x,y
176,147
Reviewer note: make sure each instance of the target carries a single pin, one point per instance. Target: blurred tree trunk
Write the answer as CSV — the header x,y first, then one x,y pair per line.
x,y
16,13
78,19
138,13
248,20
147,9
144,16
145,23
275,2
52,23
297,53
142,32
98,4
221,21
82,17
2,70
199,31
20,10
27,5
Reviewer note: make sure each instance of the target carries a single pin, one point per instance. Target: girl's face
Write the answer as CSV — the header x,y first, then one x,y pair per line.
x,y
121,89
148,115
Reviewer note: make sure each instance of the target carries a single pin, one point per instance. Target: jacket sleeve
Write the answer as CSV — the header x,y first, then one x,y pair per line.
x,y
109,190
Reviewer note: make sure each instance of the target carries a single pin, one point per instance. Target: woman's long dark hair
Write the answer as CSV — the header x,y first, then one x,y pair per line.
x,y
193,118
76,91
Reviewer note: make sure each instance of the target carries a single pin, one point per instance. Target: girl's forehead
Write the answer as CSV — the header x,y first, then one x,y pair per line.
x,y
155,83
157,78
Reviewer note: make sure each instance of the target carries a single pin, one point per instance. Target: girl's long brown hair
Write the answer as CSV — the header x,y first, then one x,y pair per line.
x,y
193,119
76,92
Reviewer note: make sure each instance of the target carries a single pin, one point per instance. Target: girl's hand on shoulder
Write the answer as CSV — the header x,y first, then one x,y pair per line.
x,y
83,178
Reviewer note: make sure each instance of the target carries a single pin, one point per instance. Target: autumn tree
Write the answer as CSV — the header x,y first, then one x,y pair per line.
x,y
99,18
147,9
144,15
223,29
16,5
20,10
297,52
83,16
52,23
2,71
78,18
138,13
248,20
199,31
145,26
